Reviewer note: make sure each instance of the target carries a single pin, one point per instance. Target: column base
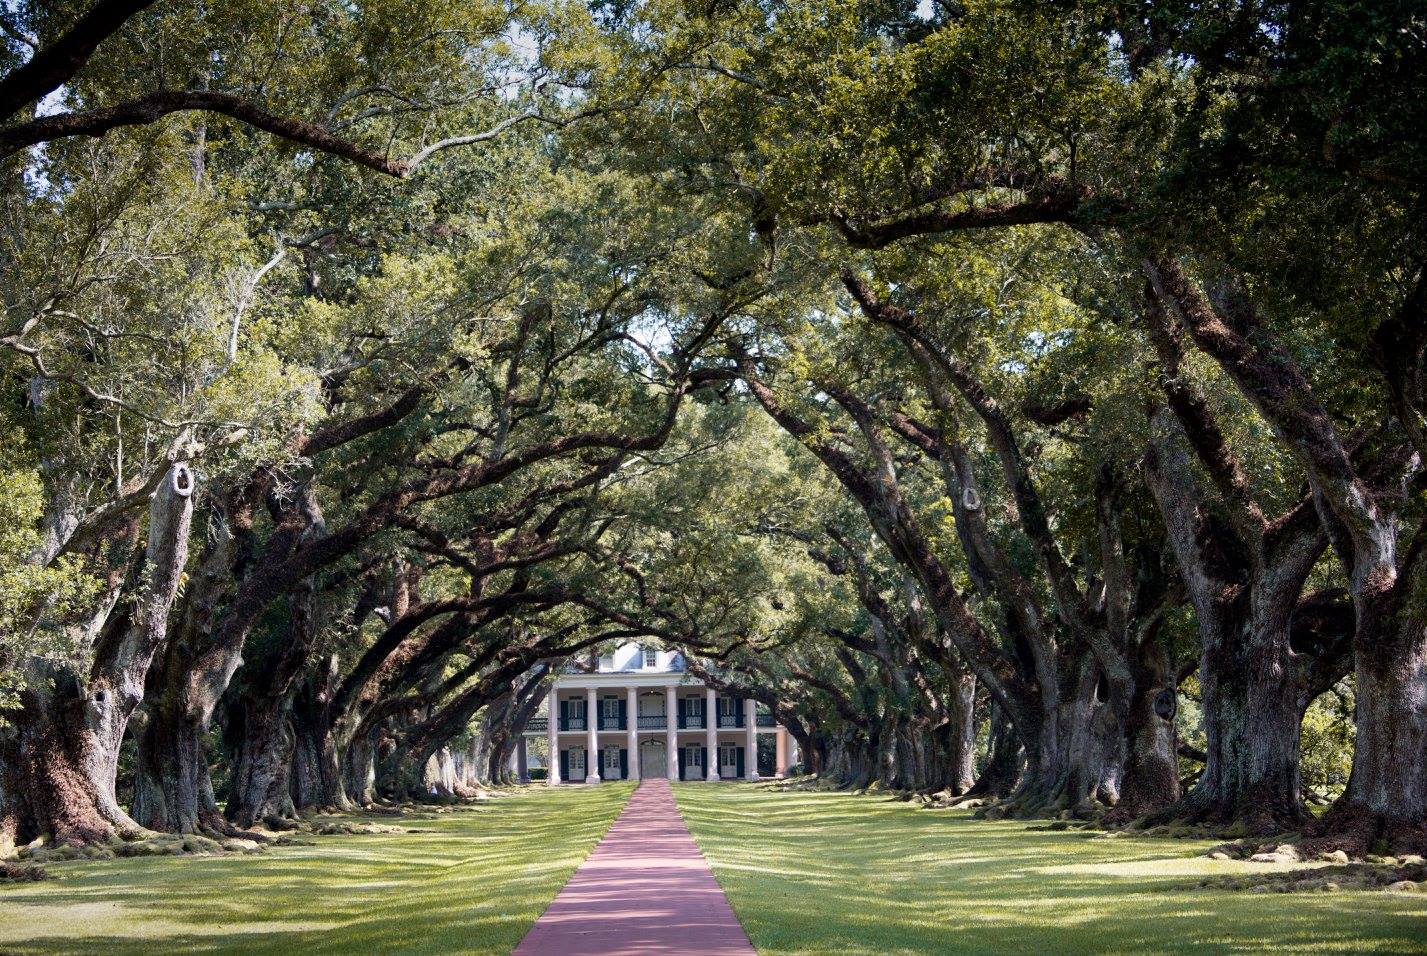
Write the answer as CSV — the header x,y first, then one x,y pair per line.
x,y
713,777
553,781
593,778
752,776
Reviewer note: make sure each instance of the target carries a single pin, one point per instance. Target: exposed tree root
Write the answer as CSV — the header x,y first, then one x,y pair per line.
x,y
357,829
1032,807
1243,817
19,873
155,844
282,824
1360,832
1396,878
215,826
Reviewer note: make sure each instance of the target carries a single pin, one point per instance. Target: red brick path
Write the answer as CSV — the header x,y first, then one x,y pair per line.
x,y
645,889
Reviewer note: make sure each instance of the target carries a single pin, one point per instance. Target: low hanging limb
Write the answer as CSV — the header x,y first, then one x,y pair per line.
x,y
152,107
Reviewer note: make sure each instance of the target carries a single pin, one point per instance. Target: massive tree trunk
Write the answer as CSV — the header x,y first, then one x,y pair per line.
x,y
1386,798
1004,759
1075,750
358,761
173,790
55,785
851,760
1361,508
960,733
316,777
1251,778
1151,774
63,746
1255,687
260,787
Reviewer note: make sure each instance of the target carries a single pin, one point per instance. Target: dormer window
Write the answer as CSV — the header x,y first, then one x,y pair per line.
x,y
650,656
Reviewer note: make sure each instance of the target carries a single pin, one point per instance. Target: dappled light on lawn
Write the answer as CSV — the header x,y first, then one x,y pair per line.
x,y
472,881
814,873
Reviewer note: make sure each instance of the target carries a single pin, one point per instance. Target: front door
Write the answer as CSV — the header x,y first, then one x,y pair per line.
x,y
693,763
577,764
609,768
728,761
653,761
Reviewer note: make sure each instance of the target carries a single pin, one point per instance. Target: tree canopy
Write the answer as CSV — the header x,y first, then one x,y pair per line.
x,y
1023,400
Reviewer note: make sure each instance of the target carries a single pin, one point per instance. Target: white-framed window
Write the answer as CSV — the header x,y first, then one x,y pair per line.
x,y
611,760
606,662
728,755
691,756
694,707
609,708
577,760
649,656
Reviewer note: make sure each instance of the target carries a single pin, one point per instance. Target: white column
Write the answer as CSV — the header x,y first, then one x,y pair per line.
x,y
671,722
711,734
552,763
782,762
632,710
750,747
592,721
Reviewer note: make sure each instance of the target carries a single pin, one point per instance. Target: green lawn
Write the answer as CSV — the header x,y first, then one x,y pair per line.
x,y
835,873
473,884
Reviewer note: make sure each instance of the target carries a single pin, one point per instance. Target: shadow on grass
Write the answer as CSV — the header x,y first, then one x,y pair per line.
x,y
833,873
473,882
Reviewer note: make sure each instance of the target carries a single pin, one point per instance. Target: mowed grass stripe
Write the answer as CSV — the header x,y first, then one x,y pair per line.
x,y
474,882
830,873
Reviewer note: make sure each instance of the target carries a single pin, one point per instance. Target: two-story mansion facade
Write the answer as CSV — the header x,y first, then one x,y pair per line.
x,y
642,715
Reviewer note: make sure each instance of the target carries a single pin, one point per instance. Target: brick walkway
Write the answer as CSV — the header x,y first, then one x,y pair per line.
x,y
645,889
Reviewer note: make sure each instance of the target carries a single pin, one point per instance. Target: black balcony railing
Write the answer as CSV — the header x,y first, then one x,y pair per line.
x,y
573,723
611,723
537,725
652,722
766,720
693,722
730,720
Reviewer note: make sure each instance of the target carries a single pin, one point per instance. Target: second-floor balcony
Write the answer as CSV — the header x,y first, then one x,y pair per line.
x,y
652,721
611,723
766,720
692,722
572,723
537,725
730,720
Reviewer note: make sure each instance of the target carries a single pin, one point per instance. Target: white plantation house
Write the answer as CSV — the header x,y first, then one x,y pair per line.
x,y
641,714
